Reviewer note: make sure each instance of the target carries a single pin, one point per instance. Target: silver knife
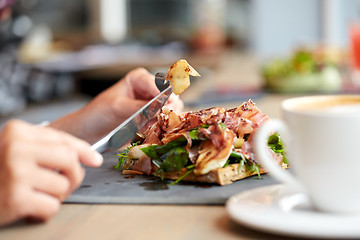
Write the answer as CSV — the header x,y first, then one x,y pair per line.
x,y
127,130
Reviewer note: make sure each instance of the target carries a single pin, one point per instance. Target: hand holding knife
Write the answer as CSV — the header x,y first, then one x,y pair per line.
x,y
127,130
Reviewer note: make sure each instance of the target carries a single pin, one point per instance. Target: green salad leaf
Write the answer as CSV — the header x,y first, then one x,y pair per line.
x,y
236,157
124,155
253,168
169,157
277,145
156,151
194,134
174,160
182,177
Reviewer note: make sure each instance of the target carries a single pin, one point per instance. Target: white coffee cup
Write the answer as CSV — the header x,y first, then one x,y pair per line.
x,y
322,142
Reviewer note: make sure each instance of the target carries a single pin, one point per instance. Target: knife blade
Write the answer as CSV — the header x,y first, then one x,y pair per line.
x,y
127,130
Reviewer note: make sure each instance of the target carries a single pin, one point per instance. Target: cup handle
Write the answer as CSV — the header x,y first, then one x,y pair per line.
x,y
261,150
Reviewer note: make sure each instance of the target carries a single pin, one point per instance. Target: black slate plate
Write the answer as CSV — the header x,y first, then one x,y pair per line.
x,y
106,185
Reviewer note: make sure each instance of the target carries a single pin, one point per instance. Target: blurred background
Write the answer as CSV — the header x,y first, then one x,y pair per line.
x,y
56,55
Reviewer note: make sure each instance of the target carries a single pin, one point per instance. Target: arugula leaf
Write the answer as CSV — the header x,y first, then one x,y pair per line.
x,y
124,155
156,151
192,166
227,163
182,177
242,163
194,134
253,168
151,152
222,125
257,170
277,145
237,156
169,157
120,162
156,163
175,159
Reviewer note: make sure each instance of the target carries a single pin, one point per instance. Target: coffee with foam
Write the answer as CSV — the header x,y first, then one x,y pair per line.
x,y
334,104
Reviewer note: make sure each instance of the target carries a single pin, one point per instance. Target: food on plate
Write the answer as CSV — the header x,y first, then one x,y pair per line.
x,y
306,70
178,75
212,145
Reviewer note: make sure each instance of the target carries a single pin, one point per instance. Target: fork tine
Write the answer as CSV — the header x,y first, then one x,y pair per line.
x,y
160,81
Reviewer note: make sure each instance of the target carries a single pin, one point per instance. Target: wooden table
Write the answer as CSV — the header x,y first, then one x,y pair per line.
x,y
82,221
86,221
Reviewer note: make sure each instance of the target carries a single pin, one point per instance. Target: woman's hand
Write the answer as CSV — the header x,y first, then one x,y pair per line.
x,y
113,106
39,167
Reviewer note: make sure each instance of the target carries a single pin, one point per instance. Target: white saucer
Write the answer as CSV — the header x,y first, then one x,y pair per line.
x,y
280,210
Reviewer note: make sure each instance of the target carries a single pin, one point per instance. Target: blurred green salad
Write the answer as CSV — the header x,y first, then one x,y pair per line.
x,y
304,71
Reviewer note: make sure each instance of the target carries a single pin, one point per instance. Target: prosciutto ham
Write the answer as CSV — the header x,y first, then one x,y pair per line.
x,y
211,145
239,124
242,120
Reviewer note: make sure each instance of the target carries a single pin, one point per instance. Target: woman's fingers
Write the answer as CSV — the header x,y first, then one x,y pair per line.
x,y
78,149
48,160
40,206
57,157
68,145
56,184
23,202
142,83
39,167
